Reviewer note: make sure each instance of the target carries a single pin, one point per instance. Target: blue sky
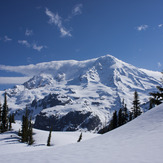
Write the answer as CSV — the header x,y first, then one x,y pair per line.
x,y
34,31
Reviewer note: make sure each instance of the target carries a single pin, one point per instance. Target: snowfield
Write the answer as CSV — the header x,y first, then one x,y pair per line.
x,y
139,141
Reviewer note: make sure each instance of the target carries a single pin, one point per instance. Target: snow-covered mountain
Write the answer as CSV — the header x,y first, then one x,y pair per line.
x,y
79,94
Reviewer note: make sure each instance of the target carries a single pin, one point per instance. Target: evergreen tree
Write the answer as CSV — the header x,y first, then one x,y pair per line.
x,y
80,137
49,137
19,133
30,134
157,98
120,118
25,124
5,115
114,122
0,117
27,131
12,118
136,107
125,115
130,116
10,122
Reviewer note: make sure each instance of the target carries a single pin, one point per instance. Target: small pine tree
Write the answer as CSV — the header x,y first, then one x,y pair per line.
x,y
80,137
19,133
5,115
120,118
130,116
136,105
10,122
0,117
123,115
12,118
49,137
157,98
25,124
27,131
114,122
30,134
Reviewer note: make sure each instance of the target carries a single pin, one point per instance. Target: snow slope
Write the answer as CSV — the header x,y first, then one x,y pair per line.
x,y
10,141
139,141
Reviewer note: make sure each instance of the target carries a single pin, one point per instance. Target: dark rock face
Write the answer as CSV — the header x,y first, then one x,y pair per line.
x,y
49,101
72,121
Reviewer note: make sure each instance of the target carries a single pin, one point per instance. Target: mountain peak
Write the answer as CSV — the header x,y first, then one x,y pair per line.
x,y
90,89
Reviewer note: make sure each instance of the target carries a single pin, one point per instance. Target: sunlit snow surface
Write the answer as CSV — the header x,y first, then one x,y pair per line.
x,y
139,141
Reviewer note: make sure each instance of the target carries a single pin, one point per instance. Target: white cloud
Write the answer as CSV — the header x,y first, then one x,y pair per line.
x,y
57,20
38,48
25,43
28,32
13,80
33,46
6,39
77,10
160,25
159,64
142,27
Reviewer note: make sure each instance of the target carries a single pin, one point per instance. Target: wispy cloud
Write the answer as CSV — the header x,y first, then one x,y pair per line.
x,y
77,10
33,46
57,20
13,80
7,39
160,25
28,32
25,43
37,47
159,64
142,27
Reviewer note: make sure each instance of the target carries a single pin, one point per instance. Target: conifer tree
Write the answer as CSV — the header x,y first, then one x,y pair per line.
x,y
0,117
157,98
25,124
120,118
130,116
30,134
12,118
10,122
114,121
49,137
27,131
125,115
5,115
136,107
80,137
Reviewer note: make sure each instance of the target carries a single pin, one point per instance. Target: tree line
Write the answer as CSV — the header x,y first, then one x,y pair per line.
x,y
26,132
5,119
124,115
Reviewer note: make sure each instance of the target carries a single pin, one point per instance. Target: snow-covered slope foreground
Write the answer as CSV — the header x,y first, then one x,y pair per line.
x,y
139,141
79,94
10,141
